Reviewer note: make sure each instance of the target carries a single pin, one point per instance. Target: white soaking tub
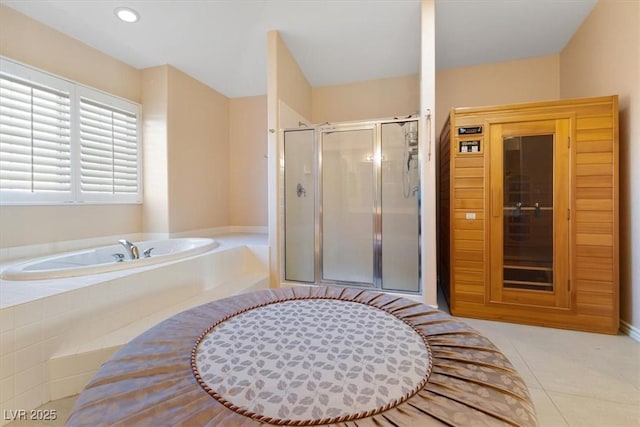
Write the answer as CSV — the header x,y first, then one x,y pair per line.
x,y
104,259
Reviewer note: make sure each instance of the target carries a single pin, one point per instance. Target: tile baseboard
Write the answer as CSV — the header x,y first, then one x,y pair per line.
x,y
630,330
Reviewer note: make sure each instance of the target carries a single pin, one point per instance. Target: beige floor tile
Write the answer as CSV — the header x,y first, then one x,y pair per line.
x,y
585,364
592,412
547,412
503,341
568,370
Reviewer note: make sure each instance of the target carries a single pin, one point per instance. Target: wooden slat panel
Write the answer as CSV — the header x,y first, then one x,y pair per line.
x,y
594,158
464,255
469,245
467,275
470,235
594,239
594,286
469,162
594,262
468,172
582,170
467,297
468,224
468,183
594,227
594,204
594,135
598,109
477,264
594,193
585,272
468,204
594,122
594,181
595,310
597,298
594,251
594,147
594,216
470,287
469,193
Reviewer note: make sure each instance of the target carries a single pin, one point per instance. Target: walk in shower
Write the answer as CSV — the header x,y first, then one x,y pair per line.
x,y
352,205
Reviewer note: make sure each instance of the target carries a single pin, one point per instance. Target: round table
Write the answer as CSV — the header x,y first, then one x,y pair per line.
x,y
307,356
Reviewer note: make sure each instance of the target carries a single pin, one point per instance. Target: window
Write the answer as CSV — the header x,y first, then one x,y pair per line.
x,y
61,142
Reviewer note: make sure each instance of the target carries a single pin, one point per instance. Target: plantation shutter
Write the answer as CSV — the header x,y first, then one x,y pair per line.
x,y
108,149
35,139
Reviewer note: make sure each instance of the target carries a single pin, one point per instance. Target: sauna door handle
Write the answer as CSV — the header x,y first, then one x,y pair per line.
x,y
495,203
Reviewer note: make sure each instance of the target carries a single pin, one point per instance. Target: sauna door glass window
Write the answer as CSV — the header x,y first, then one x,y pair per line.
x,y
529,225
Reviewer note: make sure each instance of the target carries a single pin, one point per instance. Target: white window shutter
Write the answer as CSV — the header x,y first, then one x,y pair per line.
x,y
35,139
108,149
62,142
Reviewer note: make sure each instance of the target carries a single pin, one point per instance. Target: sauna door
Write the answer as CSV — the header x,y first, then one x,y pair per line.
x,y
529,224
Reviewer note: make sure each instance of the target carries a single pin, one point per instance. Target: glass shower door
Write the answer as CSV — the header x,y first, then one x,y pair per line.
x,y
529,224
299,205
348,205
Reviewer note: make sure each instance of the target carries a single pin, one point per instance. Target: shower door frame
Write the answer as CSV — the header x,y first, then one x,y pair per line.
x,y
376,246
376,126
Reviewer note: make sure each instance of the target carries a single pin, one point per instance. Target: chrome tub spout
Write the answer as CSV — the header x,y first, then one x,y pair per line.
x,y
131,249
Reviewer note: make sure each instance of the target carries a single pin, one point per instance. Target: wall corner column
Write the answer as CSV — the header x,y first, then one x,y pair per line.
x,y
428,158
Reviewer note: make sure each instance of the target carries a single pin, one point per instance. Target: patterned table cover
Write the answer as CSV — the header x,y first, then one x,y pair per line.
x,y
157,380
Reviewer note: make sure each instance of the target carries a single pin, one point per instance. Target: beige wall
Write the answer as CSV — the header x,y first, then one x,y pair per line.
x,y
526,80
248,161
366,100
603,58
198,154
26,40
292,87
33,43
155,98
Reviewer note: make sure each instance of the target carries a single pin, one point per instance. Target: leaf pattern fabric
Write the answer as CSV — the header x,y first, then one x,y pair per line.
x,y
313,359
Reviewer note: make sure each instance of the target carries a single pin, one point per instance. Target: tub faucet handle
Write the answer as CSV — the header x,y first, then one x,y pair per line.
x,y
147,253
118,257
132,249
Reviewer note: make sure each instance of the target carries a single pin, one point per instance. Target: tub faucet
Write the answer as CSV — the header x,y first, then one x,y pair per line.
x,y
131,249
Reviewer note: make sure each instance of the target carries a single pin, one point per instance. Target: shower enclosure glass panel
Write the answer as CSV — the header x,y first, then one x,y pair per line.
x,y
348,205
299,193
399,206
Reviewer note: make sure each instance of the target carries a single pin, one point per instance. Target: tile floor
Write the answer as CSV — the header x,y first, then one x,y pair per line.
x,y
576,379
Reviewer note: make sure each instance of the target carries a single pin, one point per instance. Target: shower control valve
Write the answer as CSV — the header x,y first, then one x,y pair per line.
x,y
300,191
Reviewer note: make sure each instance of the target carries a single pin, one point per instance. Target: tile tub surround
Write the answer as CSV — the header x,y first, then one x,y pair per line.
x,y
54,334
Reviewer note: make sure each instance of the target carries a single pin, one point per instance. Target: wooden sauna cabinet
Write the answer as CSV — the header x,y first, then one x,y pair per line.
x,y
528,213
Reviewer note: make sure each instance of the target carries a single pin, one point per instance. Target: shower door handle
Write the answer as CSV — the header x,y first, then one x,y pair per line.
x,y
300,191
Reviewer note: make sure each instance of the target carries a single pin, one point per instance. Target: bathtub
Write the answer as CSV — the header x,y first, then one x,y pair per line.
x,y
60,331
102,259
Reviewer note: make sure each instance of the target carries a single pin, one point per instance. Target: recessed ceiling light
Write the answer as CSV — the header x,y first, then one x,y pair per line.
x,y
127,14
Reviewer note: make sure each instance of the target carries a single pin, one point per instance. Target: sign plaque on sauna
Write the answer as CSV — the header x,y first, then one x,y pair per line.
x,y
470,146
470,130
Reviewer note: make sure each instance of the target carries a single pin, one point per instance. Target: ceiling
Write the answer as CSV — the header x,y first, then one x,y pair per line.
x,y
223,43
